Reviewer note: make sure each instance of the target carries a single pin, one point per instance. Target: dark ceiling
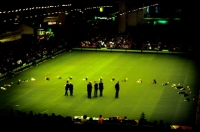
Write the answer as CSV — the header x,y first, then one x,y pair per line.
x,y
13,4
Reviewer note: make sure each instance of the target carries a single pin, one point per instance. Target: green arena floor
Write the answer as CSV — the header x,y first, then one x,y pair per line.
x,y
156,101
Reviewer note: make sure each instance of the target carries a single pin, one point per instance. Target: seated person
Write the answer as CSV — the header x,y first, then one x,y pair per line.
x,y
139,81
84,119
100,119
125,118
165,83
119,118
154,81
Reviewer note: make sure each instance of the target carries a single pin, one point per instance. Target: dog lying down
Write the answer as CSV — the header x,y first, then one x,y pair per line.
x,y
164,84
2,88
184,94
139,81
187,99
179,87
7,85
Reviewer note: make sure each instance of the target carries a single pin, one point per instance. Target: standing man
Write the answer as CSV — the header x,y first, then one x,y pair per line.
x,y
95,88
66,88
101,88
71,88
117,89
89,89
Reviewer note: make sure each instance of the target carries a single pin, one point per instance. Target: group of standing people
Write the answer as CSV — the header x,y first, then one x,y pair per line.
x,y
100,87
69,86
97,86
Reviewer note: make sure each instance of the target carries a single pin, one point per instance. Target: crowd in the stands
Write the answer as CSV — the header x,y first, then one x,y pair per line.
x,y
23,120
17,53
142,38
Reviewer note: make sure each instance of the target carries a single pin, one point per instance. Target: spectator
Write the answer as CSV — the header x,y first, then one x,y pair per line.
x,y
100,119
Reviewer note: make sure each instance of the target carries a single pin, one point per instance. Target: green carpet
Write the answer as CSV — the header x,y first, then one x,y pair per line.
x,y
156,101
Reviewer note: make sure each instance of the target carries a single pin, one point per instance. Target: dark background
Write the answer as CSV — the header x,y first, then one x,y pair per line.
x,y
188,8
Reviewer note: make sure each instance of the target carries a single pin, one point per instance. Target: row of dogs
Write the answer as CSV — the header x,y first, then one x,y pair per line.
x,y
183,93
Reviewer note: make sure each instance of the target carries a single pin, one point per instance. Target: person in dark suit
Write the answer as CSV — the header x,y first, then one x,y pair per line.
x,y
154,81
66,88
89,89
71,88
95,88
101,88
117,90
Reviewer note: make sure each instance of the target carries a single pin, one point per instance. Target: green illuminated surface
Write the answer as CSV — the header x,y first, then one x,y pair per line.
x,y
156,101
164,22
